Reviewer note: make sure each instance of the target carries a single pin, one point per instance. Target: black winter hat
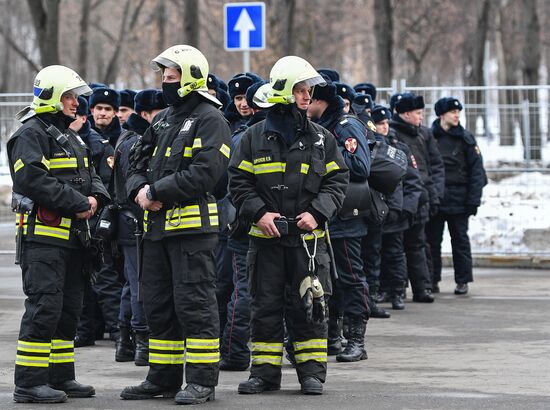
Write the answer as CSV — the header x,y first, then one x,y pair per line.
x,y
127,98
250,94
380,113
82,108
326,93
446,104
213,83
393,100
345,91
105,96
366,88
149,100
93,86
364,100
330,73
239,84
409,102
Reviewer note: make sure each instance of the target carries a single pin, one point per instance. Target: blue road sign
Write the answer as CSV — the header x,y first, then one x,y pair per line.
x,y
244,26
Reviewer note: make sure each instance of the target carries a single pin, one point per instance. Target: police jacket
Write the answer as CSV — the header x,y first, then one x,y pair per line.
x,y
407,196
428,159
57,175
102,152
235,119
111,132
289,165
351,137
464,172
181,156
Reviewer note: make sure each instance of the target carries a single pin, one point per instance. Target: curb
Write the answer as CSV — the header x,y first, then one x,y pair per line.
x,y
504,261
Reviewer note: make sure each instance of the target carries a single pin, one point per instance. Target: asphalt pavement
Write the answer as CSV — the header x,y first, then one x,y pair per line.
x,y
488,350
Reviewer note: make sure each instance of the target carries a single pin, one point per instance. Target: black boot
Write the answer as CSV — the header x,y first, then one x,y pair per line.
x,y
38,394
74,389
355,350
335,324
424,296
124,346
255,385
311,385
147,390
195,394
142,348
375,311
397,300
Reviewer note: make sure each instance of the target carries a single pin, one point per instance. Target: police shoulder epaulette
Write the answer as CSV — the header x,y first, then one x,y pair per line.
x,y
469,138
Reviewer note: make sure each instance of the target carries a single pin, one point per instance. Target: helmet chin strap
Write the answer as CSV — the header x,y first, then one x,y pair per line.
x,y
286,99
187,88
49,108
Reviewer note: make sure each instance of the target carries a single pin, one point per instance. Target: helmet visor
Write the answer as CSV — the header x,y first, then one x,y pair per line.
x,y
313,81
81,90
261,95
160,63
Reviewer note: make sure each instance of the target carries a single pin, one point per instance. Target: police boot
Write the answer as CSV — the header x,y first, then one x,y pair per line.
x,y
38,394
375,311
74,389
147,390
335,324
195,394
142,348
397,302
355,350
124,346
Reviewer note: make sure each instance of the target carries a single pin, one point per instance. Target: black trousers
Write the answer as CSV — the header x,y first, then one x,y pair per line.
x,y
179,298
272,268
460,243
371,254
417,266
394,264
236,334
350,293
53,283
224,279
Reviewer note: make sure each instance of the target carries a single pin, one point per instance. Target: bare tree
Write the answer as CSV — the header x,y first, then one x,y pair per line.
x,y
191,22
83,41
45,18
383,29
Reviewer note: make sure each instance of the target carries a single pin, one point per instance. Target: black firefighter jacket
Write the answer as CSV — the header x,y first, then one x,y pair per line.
x,y
57,176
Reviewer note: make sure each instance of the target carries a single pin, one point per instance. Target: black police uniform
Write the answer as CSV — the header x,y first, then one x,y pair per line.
x,y
430,165
464,181
181,156
286,164
58,177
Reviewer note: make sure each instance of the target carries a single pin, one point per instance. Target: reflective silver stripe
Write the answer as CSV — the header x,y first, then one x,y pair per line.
x,y
310,344
267,347
265,359
304,357
203,343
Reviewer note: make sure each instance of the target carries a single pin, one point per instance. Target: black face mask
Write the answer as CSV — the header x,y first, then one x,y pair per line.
x,y
170,93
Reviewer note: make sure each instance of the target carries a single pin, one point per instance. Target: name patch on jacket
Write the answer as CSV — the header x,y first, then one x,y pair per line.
x,y
261,160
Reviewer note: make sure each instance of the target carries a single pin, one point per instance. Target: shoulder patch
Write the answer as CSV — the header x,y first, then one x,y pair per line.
x,y
413,160
478,151
371,126
351,145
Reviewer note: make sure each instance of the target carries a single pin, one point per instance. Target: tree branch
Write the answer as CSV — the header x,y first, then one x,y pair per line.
x,y
18,50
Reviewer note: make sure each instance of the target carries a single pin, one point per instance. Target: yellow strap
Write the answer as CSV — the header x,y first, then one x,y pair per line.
x,y
225,150
18,165
332,166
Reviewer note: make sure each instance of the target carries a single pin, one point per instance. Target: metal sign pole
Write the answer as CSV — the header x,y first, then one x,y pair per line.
x,y
246,61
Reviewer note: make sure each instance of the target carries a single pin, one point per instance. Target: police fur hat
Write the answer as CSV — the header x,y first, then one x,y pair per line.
x,y
93,86
345,91
250,94
364,100
409,102
82,108
446,104
330,73
127,98
239,84
380,113
105,96
213,83
223,85
149,100
326,93
393,100
366,88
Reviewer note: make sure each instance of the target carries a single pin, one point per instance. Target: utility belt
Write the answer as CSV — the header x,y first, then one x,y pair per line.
x,y
287,227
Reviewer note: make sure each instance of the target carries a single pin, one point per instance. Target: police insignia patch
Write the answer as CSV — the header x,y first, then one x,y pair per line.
x,y
371,126
413,160
478,152
111,161
351,145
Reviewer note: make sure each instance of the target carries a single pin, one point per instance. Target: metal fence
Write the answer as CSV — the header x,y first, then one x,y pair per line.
x,y
511,127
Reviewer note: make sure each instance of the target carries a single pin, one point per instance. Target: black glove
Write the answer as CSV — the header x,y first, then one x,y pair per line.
x,y
434,210
471,210
313,299
393,216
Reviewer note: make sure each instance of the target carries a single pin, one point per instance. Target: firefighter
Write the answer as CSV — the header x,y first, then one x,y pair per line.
x,y
56,191
173,169
287,178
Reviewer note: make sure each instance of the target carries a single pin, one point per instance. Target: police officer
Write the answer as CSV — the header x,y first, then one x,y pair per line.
x,y
350,295
238,112
406,124
56,191
362,105
104,104
347,93
173,169
464,181
235,352
126,107
288,172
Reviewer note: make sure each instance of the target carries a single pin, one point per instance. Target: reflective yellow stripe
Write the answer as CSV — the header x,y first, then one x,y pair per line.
x,y
32,361
246,166
160,358
188,152
317,357
45,162
18,165
86,162
190,210
62,344
154,151
184,223
158,344
197,143
225,150
267,347
145,220
35,347
269,168
213,208
203,343
310,344
265,359
168,151
332,166
67,357
203,357
304,168
54,232
58,163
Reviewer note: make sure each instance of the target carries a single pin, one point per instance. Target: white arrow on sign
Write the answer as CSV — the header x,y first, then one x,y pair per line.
x,y
244,26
